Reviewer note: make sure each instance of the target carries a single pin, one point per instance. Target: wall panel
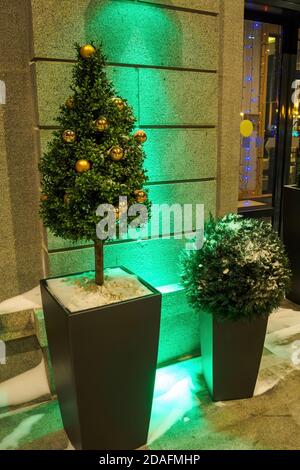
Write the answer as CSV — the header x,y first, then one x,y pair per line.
x,y
143,38
165,58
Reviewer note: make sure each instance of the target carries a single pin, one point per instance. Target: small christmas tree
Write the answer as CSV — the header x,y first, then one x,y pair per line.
x,y
94,159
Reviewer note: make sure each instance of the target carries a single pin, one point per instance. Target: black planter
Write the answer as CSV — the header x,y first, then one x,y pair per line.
x,y
104,362
291,237
231,355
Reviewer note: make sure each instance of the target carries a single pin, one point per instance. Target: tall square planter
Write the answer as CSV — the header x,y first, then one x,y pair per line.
x,y
291,237
104,362
231,355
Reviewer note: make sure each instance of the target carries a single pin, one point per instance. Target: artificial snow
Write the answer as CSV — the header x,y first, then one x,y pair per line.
x,y
27,301
25,387
79,292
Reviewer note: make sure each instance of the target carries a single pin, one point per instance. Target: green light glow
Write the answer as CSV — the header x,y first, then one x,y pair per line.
x,y
174,395
133,33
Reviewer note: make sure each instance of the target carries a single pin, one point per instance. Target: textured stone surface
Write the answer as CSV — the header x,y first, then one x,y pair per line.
x,y
42,420
170,97
267,422
174,154
53,87
179,335
16,325
21,355
202,5
144,38
20,255
165,96
178,154
156,261
181,193
230,86
40,329
7,255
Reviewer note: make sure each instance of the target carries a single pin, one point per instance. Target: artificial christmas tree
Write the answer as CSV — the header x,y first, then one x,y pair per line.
x,y
103,354
94,159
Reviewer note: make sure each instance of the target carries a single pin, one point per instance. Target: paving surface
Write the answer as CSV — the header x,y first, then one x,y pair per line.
x,y
183,415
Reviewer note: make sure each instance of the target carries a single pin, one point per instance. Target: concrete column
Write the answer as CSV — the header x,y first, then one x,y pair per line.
x,y
20,229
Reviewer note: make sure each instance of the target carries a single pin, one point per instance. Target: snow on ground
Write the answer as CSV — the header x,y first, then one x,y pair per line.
x,y
28,300
25,387
79,292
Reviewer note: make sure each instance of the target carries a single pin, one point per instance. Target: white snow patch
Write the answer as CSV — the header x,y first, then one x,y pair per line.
x,y
79,292
25,387
29,300
22,430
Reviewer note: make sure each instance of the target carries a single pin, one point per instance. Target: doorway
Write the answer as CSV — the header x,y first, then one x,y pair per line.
x,y
269,155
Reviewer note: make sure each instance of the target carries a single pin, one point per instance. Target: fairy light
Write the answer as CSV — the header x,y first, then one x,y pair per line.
x,y
248,90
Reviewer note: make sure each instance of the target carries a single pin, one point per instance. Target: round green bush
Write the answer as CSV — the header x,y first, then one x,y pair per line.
x,y
241,271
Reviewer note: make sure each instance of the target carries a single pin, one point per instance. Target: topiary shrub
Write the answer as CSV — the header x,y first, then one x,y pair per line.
x,y
241,272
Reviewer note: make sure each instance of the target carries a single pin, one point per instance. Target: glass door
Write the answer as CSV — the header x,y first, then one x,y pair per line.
x,y
260,107
270,138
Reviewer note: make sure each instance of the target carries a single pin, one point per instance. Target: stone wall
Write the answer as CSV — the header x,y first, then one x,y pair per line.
x,y
179,64
20,230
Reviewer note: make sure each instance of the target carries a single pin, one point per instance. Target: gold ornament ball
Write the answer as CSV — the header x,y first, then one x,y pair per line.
x,y
67,199
140,136
69,136
119,103
87,51
82,166
140,196
116,153
70,102
117,213
101,124
43,197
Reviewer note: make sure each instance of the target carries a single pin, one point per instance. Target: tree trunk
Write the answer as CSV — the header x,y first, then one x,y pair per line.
x,y
99,262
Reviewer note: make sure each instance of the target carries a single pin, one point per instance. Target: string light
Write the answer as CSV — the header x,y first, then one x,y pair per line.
x,y
248,91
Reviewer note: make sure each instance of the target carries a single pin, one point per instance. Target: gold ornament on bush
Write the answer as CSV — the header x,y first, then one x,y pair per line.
x,y
82,166
140,136
43,197
69,136
118,102
116,153
140,196
101,124
67,199
70,102
87,51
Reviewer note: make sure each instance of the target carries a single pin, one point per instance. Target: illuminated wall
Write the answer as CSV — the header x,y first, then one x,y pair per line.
x,y
165,57
20,230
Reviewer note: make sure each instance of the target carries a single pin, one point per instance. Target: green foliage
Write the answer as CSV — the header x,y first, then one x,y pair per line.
x,y
240,272
93,95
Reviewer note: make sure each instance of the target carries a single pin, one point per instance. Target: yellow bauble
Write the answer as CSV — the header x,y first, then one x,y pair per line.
x,y
116,153
140,196
69,136
70,102
117,213
43,197
140,136
118,103
101,124
246,128
87,51
82,165
67,199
